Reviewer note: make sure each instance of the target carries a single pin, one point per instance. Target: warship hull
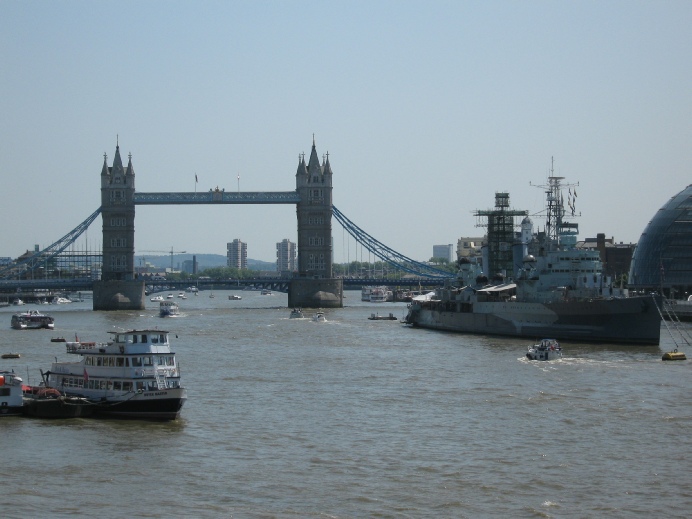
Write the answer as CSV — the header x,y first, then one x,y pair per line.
x,y
634,321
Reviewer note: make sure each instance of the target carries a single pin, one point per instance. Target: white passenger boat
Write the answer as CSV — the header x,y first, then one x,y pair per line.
x,y
32,320
11,401
156,298
547,349
134,375
378,295
168,309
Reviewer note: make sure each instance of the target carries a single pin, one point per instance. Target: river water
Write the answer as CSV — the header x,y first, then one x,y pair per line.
x,y
356,418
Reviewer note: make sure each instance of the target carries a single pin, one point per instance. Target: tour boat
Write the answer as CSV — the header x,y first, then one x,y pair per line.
x,y
168,308
547,349
32,320
11,402
134,375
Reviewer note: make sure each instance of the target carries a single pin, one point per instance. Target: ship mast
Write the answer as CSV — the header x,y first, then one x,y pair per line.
x,y
556,229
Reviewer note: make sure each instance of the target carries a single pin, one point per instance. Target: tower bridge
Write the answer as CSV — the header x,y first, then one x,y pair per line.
x,y
313,286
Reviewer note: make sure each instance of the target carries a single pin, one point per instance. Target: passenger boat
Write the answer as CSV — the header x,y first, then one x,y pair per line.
x,y
134,375
547,349
11,402
319,317
32,320
296,313
156,299
555,290
168,309
378,295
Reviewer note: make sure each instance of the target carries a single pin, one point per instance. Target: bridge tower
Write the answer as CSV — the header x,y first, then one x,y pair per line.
x,y
314,286
118,288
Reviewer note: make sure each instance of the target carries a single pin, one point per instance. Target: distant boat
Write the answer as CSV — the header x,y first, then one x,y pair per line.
x,y
168,309
266,292
234,297
547,349
378,317
32,320
296,313
319,317
156,298
10,355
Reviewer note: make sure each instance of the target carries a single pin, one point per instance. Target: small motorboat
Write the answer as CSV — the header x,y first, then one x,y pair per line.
x,y
156,298
547,349
319,317
296,313
234,298
11,355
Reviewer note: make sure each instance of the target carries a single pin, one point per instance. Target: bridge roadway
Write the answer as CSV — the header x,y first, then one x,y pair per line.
x,y
13,287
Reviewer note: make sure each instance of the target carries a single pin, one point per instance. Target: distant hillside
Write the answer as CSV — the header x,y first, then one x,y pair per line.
x,y
204,261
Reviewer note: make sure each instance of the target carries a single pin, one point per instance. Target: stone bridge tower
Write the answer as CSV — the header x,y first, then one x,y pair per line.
x,y
314,286
118,288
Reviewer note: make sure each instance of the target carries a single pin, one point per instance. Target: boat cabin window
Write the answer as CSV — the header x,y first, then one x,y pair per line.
x,y
140,386
111,361
119,362
89,361
134,339
99,361
127,386
162,339
148,361
144,338
136,361
117,385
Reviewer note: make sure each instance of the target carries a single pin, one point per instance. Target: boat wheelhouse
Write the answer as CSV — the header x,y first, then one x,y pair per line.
x,y
134,375
11,399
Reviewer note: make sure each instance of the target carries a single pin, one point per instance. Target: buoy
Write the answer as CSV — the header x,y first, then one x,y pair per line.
x,y
674,355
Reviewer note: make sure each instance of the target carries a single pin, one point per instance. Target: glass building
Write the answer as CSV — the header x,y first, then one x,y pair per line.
x,y
662,259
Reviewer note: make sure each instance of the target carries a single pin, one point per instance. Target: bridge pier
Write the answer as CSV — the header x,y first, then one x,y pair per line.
x,y
316,293
118,295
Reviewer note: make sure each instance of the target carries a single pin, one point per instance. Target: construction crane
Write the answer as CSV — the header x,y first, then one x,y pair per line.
x,y
171,252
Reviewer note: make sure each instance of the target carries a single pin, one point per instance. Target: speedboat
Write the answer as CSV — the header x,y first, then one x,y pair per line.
x,y
319,317
234,297
266,292
11,401
547,349
18,302
156,298
168,308
32,320
296,313
134,375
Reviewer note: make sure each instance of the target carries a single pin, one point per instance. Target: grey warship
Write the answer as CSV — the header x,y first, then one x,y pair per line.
x,y
555,290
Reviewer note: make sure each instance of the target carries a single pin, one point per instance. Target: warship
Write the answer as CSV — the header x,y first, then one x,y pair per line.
x,y
548,288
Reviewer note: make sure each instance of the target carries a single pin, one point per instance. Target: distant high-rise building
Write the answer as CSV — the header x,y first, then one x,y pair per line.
x,y
286,256
236,254
444,252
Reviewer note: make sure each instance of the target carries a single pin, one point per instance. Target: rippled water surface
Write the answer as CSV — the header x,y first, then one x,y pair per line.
x,y
356,418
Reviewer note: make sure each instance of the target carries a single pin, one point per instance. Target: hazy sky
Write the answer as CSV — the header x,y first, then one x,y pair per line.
x,y
426,109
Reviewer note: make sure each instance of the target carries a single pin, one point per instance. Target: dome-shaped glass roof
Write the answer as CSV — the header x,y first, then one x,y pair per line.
x,y
663,257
